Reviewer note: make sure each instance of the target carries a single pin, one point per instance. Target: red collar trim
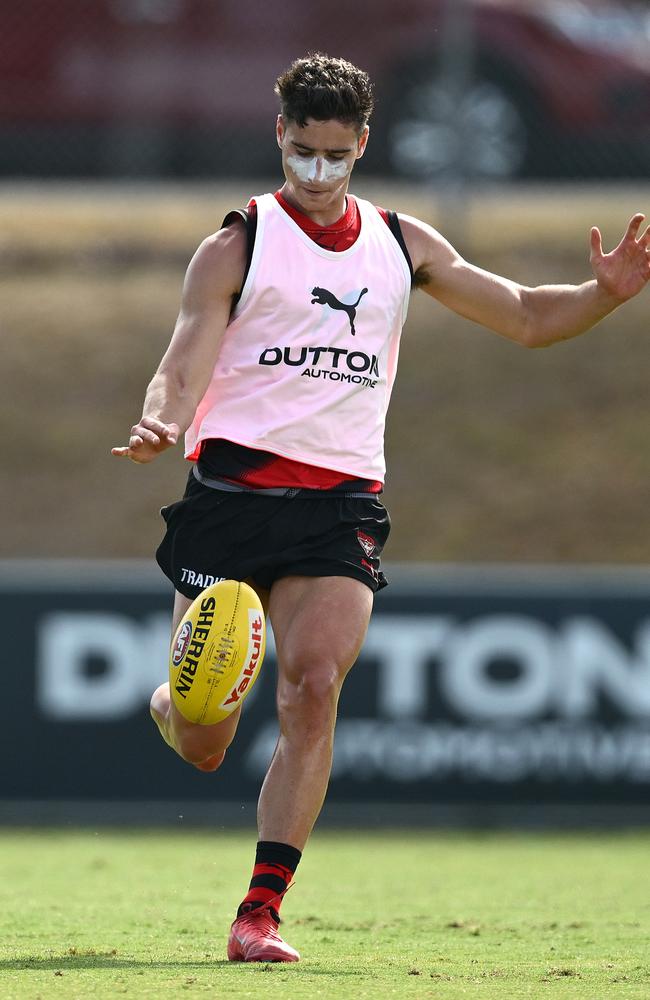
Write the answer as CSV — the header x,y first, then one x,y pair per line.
x,y
347,220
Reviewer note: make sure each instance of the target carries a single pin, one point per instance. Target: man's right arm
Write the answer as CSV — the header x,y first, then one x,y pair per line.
x,y
213,278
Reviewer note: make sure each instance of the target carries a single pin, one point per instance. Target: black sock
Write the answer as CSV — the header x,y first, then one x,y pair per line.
x,y
274,867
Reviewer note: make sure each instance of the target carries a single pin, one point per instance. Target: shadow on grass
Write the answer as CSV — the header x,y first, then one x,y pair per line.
x,y
75,963
71,963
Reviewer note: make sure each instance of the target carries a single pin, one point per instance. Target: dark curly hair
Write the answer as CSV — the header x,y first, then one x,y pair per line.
x,y
320,87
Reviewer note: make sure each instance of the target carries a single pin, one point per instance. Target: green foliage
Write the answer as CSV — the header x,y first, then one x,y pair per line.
x,y
428,915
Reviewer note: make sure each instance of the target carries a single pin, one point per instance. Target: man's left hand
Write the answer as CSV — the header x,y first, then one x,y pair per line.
x,y
626,270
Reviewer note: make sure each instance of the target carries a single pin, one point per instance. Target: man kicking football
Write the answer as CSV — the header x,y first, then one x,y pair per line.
x,y
279,374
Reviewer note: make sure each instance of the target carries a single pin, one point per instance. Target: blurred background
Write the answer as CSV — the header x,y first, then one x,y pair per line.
x,y
507,671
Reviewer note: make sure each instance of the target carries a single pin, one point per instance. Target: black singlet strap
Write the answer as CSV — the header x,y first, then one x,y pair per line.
x,y
396,230
250,221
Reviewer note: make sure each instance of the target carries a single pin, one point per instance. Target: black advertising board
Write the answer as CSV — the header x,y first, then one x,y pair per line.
x,y
476,685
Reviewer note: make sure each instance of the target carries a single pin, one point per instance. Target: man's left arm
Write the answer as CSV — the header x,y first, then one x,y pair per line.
x,y
534,317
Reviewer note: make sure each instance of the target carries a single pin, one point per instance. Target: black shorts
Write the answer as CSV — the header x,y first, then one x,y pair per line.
x,y
213,534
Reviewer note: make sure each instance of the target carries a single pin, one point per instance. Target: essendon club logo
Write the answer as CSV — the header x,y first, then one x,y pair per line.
x,y
367,543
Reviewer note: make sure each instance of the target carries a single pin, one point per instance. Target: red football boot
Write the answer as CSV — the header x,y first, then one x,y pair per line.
x,y
254,938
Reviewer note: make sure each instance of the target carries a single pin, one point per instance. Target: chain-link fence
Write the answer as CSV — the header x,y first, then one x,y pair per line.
x,y
184,88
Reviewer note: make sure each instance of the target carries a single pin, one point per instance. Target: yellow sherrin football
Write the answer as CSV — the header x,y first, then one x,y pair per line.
x,y
217,652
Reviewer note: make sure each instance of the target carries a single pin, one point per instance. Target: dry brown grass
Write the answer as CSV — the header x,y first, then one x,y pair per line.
x,y
495,453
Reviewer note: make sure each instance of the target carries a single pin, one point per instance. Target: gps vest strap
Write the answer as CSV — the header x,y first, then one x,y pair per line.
x,y
396,230
277,491
250,221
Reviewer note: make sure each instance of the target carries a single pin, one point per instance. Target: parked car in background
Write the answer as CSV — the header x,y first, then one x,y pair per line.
x,y
489,89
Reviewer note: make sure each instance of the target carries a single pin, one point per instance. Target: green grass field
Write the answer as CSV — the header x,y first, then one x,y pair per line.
x,y
447,916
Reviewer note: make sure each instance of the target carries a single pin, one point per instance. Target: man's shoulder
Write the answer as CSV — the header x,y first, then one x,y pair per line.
x,y
226,244
425,245
220,260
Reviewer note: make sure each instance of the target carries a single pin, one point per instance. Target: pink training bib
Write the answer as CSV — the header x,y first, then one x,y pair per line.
x,y
309,357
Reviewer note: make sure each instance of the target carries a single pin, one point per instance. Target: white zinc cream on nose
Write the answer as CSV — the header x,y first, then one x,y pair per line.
x,y
317,168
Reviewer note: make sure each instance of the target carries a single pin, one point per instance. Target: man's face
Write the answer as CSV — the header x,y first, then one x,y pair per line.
x,y
317,159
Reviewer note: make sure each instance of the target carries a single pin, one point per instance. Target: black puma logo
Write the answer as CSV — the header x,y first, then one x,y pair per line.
x,y
325,298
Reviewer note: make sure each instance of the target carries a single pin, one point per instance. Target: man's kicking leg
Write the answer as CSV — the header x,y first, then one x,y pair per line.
x,y
319,625
203,746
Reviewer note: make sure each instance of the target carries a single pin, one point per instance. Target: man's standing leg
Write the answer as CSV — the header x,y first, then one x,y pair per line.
x,y
319,625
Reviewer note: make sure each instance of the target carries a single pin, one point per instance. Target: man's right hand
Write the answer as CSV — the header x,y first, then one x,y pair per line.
x,y
148,439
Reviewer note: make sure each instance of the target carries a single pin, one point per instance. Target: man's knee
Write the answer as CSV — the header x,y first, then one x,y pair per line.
x,y
310,694
197,745
194,746
211,763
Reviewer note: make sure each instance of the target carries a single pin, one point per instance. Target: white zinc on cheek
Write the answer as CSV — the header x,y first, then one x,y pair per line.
x,y
317,168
